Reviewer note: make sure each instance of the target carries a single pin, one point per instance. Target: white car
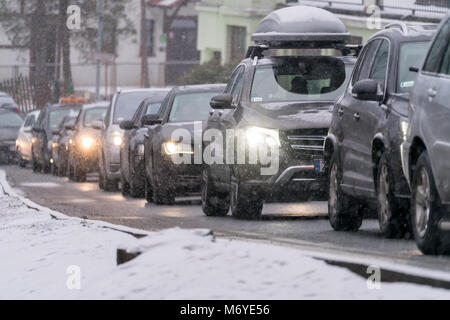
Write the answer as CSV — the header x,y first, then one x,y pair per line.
x,y
24,139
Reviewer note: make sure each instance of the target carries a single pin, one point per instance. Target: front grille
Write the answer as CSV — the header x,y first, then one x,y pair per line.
x,y
305,143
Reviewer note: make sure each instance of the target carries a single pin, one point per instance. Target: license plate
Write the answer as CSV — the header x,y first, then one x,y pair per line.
x,y
318,166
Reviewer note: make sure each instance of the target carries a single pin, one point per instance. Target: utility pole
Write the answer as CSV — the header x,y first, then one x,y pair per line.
x,y
144,55
99,48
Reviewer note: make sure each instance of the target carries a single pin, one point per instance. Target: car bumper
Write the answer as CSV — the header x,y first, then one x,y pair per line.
x,y
183,177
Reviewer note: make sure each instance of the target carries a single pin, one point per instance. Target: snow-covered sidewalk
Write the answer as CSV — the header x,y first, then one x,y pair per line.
x,y
47,255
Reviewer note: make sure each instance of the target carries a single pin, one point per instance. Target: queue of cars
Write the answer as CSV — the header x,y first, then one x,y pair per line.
x,y
366,126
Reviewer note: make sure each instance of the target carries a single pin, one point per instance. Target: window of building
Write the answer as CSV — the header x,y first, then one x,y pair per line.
x,y
237,42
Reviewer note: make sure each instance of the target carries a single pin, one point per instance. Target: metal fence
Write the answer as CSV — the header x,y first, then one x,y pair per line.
x,y
22,92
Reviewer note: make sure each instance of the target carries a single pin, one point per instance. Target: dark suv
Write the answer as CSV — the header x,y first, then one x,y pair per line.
x,y
275,114
362,149
132,164
426,155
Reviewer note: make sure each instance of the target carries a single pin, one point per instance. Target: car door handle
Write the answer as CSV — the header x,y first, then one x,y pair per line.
x,y
341,112
356,116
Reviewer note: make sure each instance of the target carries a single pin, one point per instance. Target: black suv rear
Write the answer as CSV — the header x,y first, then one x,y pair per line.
x,y
362,150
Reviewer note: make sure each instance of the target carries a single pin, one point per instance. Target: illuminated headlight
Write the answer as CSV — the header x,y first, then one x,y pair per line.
x,y
55,145
257,135
140,150
171,147
404,129
117,138
87,142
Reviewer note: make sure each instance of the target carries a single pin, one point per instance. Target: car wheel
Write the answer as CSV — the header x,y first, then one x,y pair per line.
x,y
244,203
137,190
345,213
214,204
79,174
426,209
162,194
148,191
35,164
101,176
22,162
392,218
125,186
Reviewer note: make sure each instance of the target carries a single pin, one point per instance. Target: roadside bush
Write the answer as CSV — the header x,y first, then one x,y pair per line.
x,y
209,72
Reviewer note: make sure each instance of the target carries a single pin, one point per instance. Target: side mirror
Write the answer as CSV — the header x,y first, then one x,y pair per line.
x,y
55,131
368,90
69,127
97,125
151,120
36,129
127,125
27,129
222,101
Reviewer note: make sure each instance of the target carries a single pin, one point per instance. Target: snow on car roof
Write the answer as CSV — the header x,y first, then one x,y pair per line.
x,y
301,26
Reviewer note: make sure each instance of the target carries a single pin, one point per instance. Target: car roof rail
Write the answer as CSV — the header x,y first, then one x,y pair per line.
x,y
256,51
399,25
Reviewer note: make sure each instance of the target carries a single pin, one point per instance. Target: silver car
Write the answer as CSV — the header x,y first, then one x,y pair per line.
x,y
123,106
426,152
24,139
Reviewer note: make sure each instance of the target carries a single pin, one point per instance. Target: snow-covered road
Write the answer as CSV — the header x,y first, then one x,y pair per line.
x,y
47,255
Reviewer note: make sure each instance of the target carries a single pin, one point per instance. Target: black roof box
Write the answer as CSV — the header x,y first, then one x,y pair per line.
x,y
301,27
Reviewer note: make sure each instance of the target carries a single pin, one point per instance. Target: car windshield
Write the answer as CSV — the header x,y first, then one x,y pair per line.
x,y
153,108
92,115
128,103
191,106
10,119
57,115
298,79
412,54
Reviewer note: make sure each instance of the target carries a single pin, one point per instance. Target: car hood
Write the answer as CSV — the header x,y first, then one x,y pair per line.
x,y
288,116
169,128
10,133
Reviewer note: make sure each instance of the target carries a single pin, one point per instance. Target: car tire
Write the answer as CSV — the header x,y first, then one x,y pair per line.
x,y
214,204
245,204
345,214
162,194
426,209
22,162
125,186
35,164
148,191
79,174
137,190
392,218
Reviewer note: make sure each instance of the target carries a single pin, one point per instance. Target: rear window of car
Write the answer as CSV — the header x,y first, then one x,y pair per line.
x,y
191,106
128,103
292,79
57,115
94,114
10,119
412,54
